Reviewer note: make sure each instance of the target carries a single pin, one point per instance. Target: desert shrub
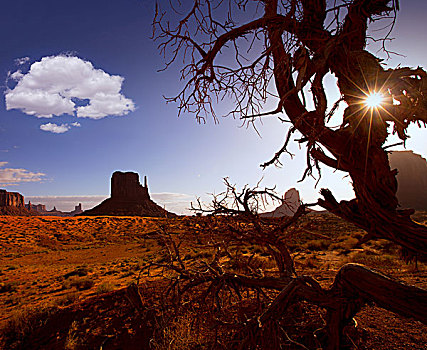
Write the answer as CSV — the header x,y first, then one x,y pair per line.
x,y
105,287
22,323
385,246
318,244
13,299
243,263
7,287
67,299
311,262
78,282
344,243
180,334
72,341
79,271
373,260
83,283
50,243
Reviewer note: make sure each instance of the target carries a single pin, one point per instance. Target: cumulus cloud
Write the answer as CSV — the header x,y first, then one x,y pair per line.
x,y
58,85
58,129
16,75
54,128
10,176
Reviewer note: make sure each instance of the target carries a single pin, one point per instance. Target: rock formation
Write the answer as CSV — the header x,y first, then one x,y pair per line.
x,y
11,199
40,208
77,210
411,179
12,203
126,186
128,198
291,203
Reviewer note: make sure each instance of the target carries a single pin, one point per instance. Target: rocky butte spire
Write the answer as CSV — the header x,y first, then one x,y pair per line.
x,y
411,179
126,186
128,198
291,203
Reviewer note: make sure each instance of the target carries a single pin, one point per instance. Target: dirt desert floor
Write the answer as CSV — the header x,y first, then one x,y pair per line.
x,y
79,268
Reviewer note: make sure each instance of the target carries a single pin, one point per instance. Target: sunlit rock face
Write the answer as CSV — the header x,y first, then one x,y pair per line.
x,y
291,203
128,198
411,179
11,199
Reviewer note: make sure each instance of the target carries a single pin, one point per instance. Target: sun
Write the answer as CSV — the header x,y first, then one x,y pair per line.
x,y
374,100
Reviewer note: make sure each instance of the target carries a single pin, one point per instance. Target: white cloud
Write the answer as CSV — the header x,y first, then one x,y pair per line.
x,y
16,75
21,61
54,128
58,129
52,85
9,176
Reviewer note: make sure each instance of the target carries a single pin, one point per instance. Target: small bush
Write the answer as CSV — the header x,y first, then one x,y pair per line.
x,y
78,283
72,341
243,263
180,334
7,287
344,243
319,244
105,287
379,261
67,299
79,271
21,324
311,262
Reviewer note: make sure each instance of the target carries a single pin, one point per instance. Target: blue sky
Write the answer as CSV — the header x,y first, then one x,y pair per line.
x,y
110,40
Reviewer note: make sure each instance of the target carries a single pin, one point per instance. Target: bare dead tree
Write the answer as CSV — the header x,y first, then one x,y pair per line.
x,y
255,51
354,285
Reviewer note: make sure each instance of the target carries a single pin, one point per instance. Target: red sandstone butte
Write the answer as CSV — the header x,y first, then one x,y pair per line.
x,y
128,198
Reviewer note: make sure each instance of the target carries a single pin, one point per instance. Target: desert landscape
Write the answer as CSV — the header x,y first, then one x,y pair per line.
x,y
65,282
290,212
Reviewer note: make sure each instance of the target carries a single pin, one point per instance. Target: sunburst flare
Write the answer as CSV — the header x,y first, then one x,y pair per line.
x,y
374,100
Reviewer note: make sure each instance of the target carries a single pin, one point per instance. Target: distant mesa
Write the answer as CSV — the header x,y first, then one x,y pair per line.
x,y
40,209
411,179
11,199
291,203
12,203
128,198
